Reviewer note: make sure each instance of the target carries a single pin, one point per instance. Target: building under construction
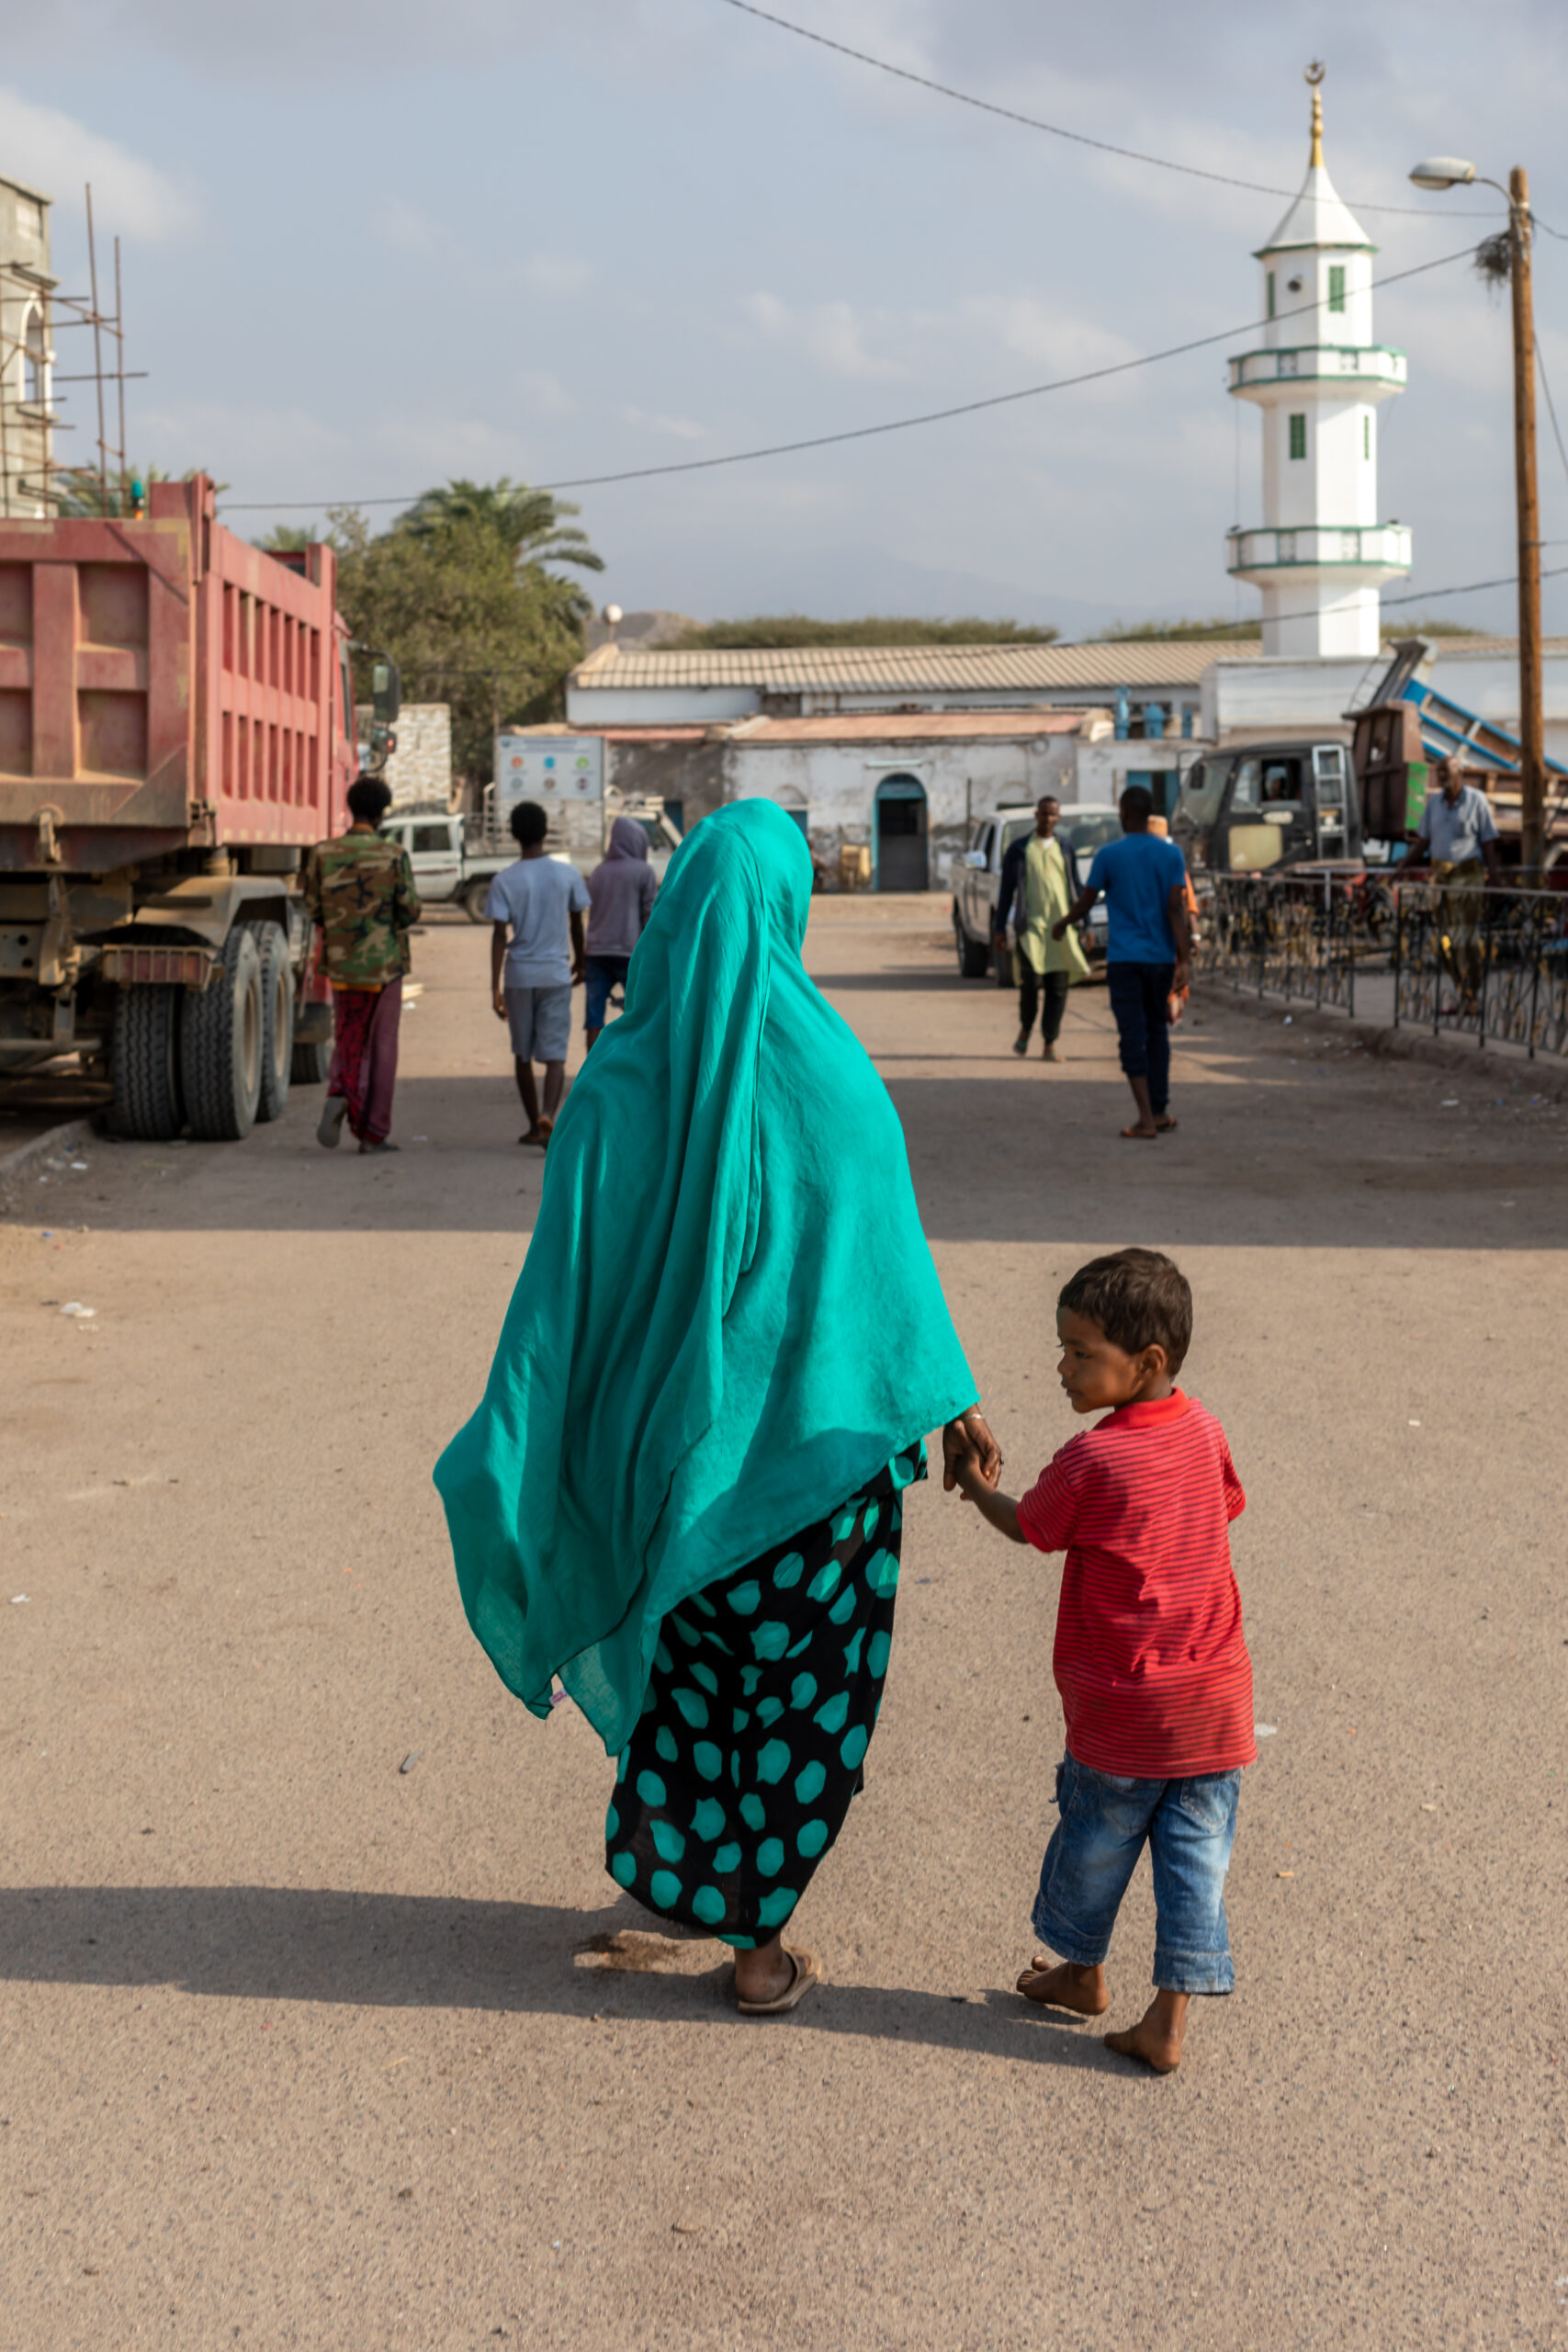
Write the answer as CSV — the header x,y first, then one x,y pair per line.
x,y
27,444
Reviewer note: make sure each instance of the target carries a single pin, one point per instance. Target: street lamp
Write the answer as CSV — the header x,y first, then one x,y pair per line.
x,y
1451,171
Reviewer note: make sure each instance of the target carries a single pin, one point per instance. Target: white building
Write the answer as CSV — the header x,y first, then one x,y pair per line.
x,y
1150,684
1318,378
909,785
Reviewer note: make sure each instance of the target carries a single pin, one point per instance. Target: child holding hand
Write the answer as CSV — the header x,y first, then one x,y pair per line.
x,y
1150,1660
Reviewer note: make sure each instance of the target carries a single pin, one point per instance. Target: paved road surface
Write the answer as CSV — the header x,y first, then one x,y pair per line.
x,y
300,2051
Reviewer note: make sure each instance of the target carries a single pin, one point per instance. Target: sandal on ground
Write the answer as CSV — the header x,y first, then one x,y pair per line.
x,y
1165,1125
1049,1053
377,1147
808,1972
1021,1043
1139,1134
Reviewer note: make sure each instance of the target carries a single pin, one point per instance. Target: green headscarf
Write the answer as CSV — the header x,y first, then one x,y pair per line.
x,y
729,1319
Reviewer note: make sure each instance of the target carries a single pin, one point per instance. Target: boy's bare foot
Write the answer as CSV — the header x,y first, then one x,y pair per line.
x,y
1158,2036
1066,1986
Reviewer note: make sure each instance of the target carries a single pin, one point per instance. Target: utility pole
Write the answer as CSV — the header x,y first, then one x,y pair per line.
x,y
1532,765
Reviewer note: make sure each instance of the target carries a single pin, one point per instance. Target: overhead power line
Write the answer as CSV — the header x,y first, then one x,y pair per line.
x,y
1057,129
870,432
1469,588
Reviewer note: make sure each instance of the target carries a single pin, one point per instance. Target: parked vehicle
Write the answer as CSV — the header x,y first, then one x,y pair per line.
x,y
177,727
455,858
1084,827
1265,807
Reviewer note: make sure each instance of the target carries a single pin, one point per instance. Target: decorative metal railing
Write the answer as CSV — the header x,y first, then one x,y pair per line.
x,y
1484,963
1296,939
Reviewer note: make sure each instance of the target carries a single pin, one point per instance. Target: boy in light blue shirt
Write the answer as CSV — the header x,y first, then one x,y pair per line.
x,y
1147,954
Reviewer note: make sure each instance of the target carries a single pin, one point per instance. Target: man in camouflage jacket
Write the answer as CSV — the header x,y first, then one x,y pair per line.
x,y
359,889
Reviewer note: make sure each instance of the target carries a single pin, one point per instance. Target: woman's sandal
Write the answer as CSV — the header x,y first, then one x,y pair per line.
x,y
808,1972
1165,1125
1139,1134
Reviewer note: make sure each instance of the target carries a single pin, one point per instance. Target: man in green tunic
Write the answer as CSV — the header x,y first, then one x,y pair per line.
x,y
1040,874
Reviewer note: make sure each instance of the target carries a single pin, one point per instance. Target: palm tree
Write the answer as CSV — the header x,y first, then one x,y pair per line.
x,y
79,489
530,522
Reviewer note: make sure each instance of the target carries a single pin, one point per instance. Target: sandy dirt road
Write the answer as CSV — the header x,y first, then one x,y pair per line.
x,y
299,2050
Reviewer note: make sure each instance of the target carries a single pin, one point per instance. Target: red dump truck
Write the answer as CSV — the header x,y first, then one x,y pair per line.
x,y
177,727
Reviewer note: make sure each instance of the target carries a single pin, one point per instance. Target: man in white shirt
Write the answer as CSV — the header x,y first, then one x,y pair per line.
x,y
542,899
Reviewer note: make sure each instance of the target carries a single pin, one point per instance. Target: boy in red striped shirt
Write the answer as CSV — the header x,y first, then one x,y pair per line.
x,y
1150,1660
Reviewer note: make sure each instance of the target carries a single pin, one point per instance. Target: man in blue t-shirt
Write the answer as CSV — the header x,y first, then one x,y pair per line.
x,y
1145,883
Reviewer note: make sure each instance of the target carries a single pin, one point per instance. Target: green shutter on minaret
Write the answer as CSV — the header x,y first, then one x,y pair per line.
x,y
1336,286
1298,437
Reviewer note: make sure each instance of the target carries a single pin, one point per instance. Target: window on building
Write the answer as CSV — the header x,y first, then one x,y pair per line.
x,y
1298,437
1366,436
33,378
1337,285
1270,292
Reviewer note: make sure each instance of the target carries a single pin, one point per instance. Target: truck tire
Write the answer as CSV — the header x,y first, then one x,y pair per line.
x,y
476,898
309,1064
973,956
221,1044
144,1064
278,1019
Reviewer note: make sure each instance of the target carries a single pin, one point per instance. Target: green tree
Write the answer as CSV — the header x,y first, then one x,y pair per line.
x,y
287,538
529,522
462,601
778,630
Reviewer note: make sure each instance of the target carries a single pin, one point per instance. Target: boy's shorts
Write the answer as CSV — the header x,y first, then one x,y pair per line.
x,y
604,973
1188,1827
541,1022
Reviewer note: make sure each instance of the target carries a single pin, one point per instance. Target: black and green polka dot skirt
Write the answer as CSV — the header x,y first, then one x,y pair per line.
x,y
760,1707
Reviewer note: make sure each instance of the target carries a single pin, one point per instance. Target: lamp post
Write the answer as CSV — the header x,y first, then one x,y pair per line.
x,y
1445,172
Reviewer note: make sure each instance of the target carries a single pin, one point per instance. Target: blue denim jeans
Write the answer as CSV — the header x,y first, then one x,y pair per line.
x,y
604,973
1139,1000
1105,1822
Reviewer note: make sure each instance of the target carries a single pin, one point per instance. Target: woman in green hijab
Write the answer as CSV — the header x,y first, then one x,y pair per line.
x,y
683,1491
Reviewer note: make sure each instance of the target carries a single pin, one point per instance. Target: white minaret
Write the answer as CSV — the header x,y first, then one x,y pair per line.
x,y
1318,380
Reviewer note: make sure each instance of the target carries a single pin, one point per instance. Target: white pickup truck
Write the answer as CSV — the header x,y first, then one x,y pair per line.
x,y
454,859
1085,826
447,866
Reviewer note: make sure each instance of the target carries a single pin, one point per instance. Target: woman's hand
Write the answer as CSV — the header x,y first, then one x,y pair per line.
x,y
965,1436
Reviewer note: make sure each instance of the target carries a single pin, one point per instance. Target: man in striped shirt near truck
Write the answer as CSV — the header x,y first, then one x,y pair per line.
x,y
1150,1658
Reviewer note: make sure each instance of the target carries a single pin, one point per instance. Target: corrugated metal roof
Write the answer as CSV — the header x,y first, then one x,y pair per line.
x,y
915,727
919,668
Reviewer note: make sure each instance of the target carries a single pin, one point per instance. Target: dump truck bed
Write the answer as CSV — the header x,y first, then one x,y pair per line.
x,y
163,686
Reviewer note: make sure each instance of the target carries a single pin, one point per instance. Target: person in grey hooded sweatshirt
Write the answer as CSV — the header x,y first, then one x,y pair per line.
x,y
621,894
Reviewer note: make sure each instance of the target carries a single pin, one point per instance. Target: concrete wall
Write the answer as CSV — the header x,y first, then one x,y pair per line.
x,y
690,773
1101,769
418,773
836,784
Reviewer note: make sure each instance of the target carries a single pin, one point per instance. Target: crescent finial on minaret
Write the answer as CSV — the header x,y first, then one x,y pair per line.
x,y
1314,73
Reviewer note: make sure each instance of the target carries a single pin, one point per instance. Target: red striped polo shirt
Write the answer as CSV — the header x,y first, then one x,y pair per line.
x,y
1150,1658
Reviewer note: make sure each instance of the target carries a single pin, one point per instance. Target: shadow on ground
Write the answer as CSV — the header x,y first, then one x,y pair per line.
x,y
414,1951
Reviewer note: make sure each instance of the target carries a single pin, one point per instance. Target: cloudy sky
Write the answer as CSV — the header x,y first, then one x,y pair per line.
x,y
369,246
